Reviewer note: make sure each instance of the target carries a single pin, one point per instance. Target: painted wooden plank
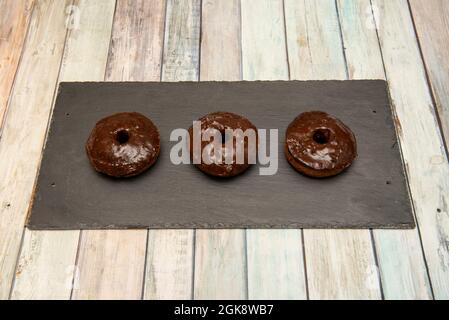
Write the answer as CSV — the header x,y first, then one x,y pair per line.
x,y
46,267
432,26
110,268
25,126
340,265
275,257
363,56
169,271
182,34
220,264
401,264
14,19
275,264
263,40
422,145
47,263
137,40
400,258
170,257
220,41
339,262
220,256
112,262
313,40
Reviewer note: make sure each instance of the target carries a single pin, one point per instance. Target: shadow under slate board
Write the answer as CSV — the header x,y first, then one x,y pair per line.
x,y
372,193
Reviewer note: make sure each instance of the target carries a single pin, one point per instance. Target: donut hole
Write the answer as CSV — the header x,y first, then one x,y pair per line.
x,y
122,136
321,136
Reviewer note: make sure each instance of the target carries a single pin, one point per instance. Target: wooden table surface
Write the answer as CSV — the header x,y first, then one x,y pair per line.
x,y
43,42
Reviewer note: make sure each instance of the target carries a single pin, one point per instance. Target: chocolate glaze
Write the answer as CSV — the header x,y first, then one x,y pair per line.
x,y
319,145
222,121
123,144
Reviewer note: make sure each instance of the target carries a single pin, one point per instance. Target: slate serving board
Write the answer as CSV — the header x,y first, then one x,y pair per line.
x,y
372,194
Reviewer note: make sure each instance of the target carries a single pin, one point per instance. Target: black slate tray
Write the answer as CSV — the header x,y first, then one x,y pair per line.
x,y
371,194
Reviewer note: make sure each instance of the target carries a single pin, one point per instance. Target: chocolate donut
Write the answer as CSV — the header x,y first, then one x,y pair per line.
x,y
222,121
319,145
123,144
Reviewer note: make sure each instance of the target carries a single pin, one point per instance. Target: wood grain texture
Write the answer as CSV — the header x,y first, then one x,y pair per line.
x,y
275,264
111,265
401,265
220,41
46,267
363,56
220,256
340,265
169,271
313,40
25,127
85,56
339,262
112,262
182,34
400,259
47,258
220,264
14,19
263,40
170,260
275,257
432,25
137,40
422,145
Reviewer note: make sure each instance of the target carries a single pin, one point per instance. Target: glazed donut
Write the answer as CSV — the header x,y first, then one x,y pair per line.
x,y
319,145
123,144
222,121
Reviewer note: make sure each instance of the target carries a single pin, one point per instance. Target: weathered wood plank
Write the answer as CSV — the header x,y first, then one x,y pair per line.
x,y
111,265
220,264
47,263
275,257
263,41
400,258
25,127
169,272
339,262
46,267
182,34
137,40
340,265
432,25
422,145
14,19
220,41
170,257
313,40
275,264
363,56
220,257
112,262
401,265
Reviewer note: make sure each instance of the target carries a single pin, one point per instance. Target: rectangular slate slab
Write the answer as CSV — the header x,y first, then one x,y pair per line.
x,y
372,194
